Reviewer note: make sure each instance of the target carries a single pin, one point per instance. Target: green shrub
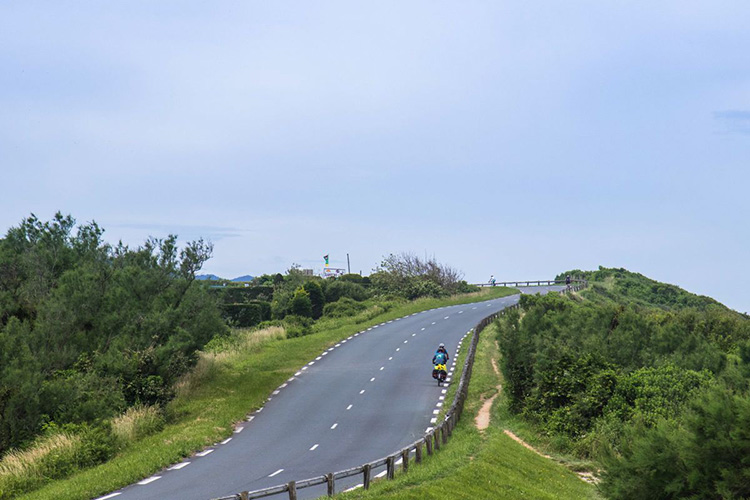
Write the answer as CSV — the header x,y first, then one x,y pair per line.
x,y
343,307
301,305
297,326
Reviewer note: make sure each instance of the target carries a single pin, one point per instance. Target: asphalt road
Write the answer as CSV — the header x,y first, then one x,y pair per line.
x,y
359,401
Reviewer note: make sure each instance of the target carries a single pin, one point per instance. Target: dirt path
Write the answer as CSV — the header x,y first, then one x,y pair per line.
x,y
482,421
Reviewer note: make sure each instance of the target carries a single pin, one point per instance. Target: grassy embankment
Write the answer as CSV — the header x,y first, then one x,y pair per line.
x,y
223,388
481,465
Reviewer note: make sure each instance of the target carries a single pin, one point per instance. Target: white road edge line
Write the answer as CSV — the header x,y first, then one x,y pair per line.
x,y
277,472
204,453
149,480
314,446
349,407
107,497
226,440
334,425
179,466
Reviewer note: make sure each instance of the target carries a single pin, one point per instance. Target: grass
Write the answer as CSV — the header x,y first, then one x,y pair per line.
x,y
224,387
481,465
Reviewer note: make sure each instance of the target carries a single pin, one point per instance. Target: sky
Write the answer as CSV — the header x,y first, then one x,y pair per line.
x,y
519,139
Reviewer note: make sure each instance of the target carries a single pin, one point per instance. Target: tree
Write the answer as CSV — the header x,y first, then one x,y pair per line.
x,y
301,305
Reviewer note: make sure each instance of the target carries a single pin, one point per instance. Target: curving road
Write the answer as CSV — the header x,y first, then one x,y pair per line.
x,y
363,399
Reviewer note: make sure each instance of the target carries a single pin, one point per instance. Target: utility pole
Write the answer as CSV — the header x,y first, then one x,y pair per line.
x,y
348,267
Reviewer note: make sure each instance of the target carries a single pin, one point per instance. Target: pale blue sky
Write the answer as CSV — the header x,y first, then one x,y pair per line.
x,y
517,139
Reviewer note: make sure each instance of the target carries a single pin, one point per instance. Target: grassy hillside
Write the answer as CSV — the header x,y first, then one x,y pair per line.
x,y
481,465
626,287
217,393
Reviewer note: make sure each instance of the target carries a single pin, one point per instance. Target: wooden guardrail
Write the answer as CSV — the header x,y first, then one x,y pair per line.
x,y
429,443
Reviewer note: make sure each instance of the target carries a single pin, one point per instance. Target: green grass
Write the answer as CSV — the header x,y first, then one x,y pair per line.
x,y
477,465
205,414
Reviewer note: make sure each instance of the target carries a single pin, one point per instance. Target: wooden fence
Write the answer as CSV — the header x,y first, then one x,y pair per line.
x,y
429,443
573,281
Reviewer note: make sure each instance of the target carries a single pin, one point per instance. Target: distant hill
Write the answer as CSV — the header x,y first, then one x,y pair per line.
x,y
246,277
208,277
626,287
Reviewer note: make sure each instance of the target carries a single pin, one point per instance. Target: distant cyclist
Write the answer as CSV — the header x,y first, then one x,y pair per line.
x,y
492,280
441,355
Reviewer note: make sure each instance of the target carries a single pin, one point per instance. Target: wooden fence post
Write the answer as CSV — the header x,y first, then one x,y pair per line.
x,y
389,464
418,455
292,486
366,480
445,435
428,443
243,495
405,460
437,438
331,484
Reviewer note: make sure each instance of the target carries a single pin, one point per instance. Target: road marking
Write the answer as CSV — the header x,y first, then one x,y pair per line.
x,y
399,461
325,353
429,429
354,487
343,341
259,410
349,337
422,328
433,322
382,474
398,349
433,420
331,349
413,334
238,430
304,368
298,374
349,407
460,312
448,379
276,392
446,317
314,446
389,359
356,334
445,390
441,398
439,404
226,440
435,412
204,453
372,379
337,345
277,472
390,322
282,385
107,497
369,329
334,425
473,307
318,358
250,418
311,363
149,480
382,368
179,466
362,391
406,341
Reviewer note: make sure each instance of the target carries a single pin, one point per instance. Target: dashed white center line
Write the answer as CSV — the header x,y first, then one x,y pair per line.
x,y
277,472
382,368
362,391
204,453
149,480
460,312
422,328
226,440
446,317
314,446
406,341
372,379
398,349
349,407
433,322
334,425
413,334
390,359
473,307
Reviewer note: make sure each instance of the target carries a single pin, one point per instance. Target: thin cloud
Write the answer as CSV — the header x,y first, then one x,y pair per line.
x,y
213,233
734,121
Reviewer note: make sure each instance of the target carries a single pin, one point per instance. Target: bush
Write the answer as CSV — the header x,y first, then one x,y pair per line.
x,y
297,326
301,305
337,289
137,422
247,314
317,299
343,307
